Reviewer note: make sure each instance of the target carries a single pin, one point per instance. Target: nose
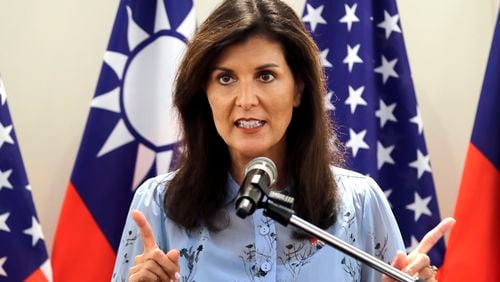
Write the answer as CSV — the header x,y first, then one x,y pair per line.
x,y
246,97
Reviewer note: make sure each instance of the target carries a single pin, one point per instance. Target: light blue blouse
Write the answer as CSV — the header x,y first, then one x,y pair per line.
x,y
260,249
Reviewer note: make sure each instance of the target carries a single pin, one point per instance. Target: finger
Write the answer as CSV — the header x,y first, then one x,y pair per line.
x,y
418,264
166,264
134,269
426,273
399,262
147,236
156,256
154,267
174,255
143,276
431,238
139,259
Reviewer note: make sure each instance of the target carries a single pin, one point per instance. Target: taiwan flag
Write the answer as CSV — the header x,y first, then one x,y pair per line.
x,y
130,135
474,244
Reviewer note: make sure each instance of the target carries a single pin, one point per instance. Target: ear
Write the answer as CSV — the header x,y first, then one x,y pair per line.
x,y
299,90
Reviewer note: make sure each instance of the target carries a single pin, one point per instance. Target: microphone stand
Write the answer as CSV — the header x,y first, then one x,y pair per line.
x,y
273,208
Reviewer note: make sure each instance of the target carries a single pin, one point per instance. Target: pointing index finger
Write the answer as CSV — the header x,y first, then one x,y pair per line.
x,y
431,238
147,236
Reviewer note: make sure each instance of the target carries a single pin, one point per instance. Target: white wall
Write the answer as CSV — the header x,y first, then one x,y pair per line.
x,y
51,52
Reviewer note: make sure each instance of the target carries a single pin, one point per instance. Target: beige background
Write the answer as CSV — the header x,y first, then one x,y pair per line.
x,y
51,54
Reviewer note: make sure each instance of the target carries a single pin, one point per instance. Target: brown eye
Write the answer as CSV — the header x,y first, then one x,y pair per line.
x,y
225,79
266,77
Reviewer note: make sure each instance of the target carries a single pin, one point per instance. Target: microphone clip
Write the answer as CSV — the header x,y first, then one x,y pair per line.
x,y
281,199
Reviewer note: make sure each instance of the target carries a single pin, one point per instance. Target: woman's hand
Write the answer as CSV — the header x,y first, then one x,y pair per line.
x,y
417,263
153,264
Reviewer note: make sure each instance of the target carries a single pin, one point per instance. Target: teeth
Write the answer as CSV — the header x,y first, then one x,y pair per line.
x,y
249,123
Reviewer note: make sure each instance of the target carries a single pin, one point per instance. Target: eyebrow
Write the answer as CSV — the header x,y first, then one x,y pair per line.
x,y
265,66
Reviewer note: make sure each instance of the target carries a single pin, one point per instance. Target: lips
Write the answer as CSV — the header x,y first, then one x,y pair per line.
x,y
249,123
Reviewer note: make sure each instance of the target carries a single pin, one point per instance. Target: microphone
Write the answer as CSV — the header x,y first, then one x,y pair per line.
x,y
260,174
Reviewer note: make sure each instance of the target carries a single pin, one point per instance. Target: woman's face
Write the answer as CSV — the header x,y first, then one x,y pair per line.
x,y
252,93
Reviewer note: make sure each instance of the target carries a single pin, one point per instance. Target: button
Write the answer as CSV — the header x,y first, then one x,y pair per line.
x,y
264,230
265,267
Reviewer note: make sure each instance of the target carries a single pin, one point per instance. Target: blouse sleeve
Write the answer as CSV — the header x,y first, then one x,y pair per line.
x,y
368,219
149,200
382,235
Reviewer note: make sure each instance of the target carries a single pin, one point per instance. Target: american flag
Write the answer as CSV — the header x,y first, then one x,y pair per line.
x,y
372,102
23,256
131,134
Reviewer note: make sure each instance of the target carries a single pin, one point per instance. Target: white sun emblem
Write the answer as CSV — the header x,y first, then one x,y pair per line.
x,y
144,97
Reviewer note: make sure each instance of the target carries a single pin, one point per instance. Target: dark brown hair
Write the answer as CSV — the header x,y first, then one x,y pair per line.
x,y
197,194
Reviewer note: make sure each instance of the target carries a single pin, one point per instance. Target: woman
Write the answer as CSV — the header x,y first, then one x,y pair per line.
x,y
250,85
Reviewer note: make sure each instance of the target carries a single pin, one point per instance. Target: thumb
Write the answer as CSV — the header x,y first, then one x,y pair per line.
x,y
174,255
399,262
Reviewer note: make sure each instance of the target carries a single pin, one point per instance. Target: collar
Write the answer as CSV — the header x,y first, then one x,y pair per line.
x,y
233,188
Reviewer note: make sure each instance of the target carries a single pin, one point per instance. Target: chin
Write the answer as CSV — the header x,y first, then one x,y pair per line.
x,y
252,151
